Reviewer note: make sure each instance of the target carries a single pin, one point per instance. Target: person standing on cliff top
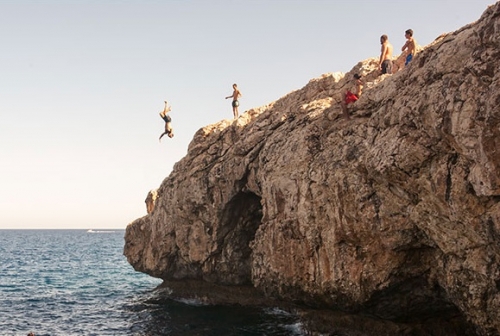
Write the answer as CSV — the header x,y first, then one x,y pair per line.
x,y
168,122
351,94
410,46
385,61
235,95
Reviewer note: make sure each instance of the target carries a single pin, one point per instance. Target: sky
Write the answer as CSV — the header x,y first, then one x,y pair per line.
x,y
82,83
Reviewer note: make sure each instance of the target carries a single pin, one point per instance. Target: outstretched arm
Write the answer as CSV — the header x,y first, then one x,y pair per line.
x,y
161,136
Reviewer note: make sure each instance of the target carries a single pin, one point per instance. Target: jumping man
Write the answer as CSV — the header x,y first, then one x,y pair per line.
x,y
168,122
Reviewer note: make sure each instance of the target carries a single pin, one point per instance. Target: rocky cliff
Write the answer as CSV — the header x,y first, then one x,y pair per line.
x,y
393,213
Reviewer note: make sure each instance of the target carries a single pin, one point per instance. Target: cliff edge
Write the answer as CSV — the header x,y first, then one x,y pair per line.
x,y
394,213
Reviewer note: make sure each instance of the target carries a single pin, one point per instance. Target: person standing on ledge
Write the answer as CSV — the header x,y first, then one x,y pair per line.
x,y
168,121
236,94
385,62
410,46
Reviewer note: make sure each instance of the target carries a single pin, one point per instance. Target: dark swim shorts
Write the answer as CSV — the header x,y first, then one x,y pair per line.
x,y
387,67
167,118
236,103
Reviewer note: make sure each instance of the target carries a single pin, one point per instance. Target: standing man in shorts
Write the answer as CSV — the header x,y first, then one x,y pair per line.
x,y
236,94
385,61
410,46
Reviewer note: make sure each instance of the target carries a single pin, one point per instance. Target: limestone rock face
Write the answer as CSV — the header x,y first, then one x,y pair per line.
x,y
395,212
150,200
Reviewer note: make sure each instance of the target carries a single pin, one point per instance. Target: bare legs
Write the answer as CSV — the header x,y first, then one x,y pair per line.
x,y
166,109
345,113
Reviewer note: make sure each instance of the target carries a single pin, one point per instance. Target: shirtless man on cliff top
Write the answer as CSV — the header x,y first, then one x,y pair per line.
x,y
236,94
410,46
385,61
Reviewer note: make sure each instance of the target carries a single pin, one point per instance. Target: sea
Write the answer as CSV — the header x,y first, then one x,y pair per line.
x,y
77,282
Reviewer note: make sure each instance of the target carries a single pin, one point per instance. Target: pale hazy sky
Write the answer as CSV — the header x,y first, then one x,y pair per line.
x,y
82,82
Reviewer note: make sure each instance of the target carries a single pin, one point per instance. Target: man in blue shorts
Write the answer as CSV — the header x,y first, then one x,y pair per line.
x,y
410,46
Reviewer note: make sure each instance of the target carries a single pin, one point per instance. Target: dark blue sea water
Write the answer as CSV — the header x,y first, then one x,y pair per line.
x,y
72,282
